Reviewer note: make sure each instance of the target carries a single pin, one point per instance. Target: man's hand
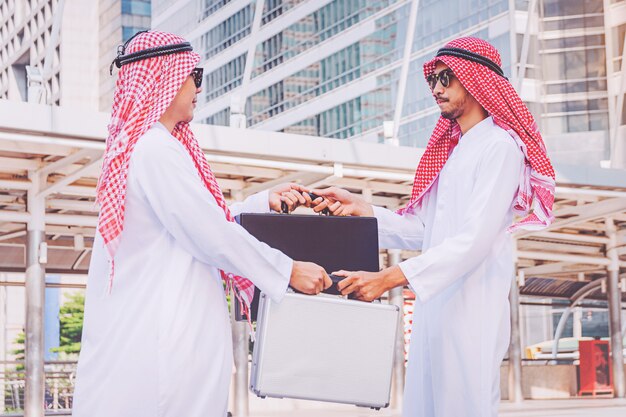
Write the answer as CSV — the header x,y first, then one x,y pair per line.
x,y
368,286
292,194
342,203
309,278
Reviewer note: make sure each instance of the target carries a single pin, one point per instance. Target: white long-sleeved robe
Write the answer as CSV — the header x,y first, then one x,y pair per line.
x,y
462,279
159,345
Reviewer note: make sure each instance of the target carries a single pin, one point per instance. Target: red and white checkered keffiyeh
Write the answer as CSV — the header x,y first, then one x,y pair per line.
x,y
495,93
144,90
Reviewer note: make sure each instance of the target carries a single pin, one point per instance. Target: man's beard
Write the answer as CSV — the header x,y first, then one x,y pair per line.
x,y
455,112
450,115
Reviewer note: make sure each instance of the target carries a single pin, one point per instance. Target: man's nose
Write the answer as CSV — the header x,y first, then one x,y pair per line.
x,y
438,89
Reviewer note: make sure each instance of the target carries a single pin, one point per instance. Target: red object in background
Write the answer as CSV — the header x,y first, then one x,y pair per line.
x,y
596,374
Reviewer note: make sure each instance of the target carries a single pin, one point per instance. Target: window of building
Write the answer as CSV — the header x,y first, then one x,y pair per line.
x,y
618,47
323,24
211,6
230,31
225,78
137,7
221,118
129,31
594,322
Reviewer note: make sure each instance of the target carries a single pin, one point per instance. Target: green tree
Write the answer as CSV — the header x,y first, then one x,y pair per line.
x,y
71,316
19,342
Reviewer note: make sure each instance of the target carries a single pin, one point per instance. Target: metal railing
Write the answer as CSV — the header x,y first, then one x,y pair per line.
x,y
59,387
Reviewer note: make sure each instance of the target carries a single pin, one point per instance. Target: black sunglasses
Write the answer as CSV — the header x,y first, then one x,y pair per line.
x,y
443,76
197,76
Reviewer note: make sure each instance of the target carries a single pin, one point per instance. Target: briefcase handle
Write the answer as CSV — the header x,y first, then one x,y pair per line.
x,y
284,208
332,291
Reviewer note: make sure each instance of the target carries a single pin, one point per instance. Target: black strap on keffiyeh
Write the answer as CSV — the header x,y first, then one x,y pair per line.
x,y
472,56
123,59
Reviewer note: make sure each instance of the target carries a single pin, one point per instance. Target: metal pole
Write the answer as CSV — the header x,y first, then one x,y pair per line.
x,y
515,348
396,298
608,54
404,71
614,296
4,382
575,299
617,159
577,331
525,46
240,355
35,287
240,98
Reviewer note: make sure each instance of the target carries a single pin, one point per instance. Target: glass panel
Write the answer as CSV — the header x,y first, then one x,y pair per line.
x,y
221,118
136,7
599,121
211,6
554,125
563,8
228,32
438,20
225,78
593,6
596,85
618,46
274,8
321,25
578,123
594,21
574,64
553,66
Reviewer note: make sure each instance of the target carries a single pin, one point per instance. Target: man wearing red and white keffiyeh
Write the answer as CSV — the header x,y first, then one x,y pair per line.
x,y
484,163
156,338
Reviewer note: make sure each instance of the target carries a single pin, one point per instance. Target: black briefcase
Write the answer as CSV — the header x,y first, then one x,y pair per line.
x,y
333,242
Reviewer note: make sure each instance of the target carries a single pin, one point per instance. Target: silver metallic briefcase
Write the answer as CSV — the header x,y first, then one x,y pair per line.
x,y
324,348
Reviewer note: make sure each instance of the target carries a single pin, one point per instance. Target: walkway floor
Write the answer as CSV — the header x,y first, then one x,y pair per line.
x,y
532,408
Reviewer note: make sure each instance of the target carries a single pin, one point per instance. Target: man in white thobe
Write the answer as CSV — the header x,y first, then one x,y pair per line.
x,y
157,335
472,178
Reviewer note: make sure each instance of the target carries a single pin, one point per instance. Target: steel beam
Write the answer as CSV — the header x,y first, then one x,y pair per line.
x,y
563,257
59,185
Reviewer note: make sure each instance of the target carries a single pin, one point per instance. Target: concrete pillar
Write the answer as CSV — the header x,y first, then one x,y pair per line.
x,y
35,289
614,297
396,298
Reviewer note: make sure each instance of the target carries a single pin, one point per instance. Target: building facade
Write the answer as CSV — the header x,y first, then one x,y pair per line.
x,y
87,35
30,43
118,21
331,67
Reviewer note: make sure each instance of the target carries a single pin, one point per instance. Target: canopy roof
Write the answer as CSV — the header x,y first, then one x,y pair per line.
x,y
61,148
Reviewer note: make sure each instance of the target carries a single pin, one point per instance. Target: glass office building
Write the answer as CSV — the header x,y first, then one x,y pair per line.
x,y
331,68
119,20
